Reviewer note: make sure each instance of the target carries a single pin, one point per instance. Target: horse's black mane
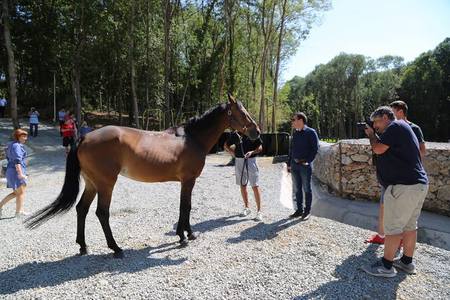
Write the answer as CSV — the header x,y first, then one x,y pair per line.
x,y
204,120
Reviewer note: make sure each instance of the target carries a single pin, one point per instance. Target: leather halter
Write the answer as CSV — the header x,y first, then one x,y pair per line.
x,y
231,119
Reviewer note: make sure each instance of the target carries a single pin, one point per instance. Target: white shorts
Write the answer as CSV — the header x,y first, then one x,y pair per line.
x,y
241,172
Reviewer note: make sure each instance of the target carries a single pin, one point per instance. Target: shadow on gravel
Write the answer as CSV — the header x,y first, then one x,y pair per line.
x,y
353,283
211,225
263,231
45,274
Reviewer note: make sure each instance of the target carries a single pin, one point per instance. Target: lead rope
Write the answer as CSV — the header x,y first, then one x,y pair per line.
x,y
245,166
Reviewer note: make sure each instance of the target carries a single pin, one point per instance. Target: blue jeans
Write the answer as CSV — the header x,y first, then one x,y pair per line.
x,y
301,181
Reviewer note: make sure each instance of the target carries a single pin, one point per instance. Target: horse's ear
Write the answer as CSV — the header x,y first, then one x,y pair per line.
x,y
231,98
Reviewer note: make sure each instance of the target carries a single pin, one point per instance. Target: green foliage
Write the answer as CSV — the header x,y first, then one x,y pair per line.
x,y
214,46
347,89
425,86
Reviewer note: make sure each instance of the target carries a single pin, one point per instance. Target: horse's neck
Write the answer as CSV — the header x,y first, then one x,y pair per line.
x,y
207,137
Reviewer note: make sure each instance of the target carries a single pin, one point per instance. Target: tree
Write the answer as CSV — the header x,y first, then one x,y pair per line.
x,y
12,75
267,15
168,13
425,88
134,99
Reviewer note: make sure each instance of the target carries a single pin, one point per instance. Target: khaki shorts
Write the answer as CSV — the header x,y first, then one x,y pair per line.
x,y
253,172
402,206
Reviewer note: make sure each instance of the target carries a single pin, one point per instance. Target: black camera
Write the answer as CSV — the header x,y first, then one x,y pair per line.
x,y
361,126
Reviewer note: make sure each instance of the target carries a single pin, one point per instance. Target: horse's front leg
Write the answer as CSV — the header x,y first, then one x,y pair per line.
x,y
185,210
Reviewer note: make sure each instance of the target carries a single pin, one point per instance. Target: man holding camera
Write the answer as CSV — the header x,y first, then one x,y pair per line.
x,y
400,170
304,146
400,109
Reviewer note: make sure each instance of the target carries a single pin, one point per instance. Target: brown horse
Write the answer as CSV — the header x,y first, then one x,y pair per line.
x,y
177,154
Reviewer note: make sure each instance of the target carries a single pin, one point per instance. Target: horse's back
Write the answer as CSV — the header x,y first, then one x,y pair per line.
x,y
138,154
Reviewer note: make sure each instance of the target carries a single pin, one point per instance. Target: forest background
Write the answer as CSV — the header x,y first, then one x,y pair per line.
x,y
152,64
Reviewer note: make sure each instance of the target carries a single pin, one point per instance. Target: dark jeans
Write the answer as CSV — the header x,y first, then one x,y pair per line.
x,y
301,181
35,131
2,111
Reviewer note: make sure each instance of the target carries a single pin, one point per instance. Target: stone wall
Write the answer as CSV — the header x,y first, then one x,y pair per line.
x,y
347,168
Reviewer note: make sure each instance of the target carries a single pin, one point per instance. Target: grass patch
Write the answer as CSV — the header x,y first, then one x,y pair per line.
x,y
329,140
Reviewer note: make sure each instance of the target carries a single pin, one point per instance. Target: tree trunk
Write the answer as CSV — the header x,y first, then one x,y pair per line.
x,y
76,73
147,57
76,88
133,69
12,75
266,30
167,61
230,34
277,66
222,70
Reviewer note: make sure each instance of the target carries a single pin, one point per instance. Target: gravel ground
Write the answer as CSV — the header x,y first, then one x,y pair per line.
x,y
233,258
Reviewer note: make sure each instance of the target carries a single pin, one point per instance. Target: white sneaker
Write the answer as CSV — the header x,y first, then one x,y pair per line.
x,y
246,212
21,214
259,216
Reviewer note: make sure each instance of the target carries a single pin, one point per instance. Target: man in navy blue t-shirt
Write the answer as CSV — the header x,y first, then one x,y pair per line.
x,y
400,170
304,146
400,110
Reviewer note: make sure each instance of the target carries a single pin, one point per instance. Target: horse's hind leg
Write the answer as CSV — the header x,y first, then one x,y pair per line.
x,y
82,211
104,202
185,210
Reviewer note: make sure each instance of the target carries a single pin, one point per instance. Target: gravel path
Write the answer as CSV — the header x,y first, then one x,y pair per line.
x,y
233,258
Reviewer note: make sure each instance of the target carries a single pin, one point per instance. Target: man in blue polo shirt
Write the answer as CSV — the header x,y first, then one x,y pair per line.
x,y
304,146
401,173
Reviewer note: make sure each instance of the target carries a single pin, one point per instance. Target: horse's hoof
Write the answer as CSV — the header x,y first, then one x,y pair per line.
x,y
183,243
192,237
118,254
83,251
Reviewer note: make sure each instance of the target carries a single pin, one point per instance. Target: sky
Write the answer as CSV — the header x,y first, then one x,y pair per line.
x,y
372,28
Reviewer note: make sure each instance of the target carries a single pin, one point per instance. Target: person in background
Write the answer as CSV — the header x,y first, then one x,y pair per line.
x,y
400,110
84,129
3,103
61,116
246,170
69,133
16,171
33,114
304,147
400,170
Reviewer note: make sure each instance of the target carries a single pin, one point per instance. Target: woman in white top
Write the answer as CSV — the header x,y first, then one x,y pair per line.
x,y
34,121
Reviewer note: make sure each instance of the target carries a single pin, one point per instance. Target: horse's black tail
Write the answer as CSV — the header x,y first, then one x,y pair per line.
x,y
66,198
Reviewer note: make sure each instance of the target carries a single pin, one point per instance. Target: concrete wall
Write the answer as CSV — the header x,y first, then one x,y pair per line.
x,y
346,168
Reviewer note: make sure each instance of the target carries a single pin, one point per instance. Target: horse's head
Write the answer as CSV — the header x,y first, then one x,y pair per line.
x,y
240,119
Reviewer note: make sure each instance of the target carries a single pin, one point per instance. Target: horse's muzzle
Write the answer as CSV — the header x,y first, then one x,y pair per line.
x,y
253,133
